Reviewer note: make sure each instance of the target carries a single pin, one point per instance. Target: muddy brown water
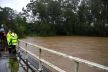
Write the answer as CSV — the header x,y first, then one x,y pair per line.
x,y
94,49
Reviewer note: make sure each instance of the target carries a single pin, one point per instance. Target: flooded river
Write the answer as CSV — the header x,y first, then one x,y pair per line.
x,y
94,49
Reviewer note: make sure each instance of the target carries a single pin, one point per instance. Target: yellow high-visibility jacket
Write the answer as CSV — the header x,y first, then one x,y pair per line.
x,y
13,39
8,36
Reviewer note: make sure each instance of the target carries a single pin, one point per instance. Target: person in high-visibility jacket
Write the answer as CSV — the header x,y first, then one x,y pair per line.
x,y
8,36
13,42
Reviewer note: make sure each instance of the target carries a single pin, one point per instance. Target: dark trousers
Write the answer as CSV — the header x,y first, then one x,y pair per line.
x,y
12,49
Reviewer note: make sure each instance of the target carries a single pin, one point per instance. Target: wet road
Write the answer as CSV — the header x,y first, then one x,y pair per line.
x,y
94,49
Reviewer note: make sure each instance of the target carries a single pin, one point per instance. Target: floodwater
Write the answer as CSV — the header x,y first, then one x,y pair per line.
x,y
94,49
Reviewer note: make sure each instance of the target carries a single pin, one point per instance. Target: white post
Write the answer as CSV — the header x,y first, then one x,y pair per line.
x,y
40,63
26,58
76,66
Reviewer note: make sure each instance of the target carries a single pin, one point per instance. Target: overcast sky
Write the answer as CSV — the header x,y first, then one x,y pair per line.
x,y
14,4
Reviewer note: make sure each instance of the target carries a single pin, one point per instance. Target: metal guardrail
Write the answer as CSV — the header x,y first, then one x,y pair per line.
x,y
75,59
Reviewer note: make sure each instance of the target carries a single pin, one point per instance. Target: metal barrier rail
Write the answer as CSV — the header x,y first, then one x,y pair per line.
x,y
25,64
75,59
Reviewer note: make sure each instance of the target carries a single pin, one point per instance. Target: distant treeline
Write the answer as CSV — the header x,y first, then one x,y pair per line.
x,y
58,17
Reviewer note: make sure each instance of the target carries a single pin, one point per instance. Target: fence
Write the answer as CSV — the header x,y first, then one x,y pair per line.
x,y
77,60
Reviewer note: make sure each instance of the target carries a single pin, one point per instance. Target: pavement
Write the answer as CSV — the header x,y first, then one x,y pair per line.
x,y
9,63
5,62
4,65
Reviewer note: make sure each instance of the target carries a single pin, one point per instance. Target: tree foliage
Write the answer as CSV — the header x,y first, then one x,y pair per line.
x,y
59,17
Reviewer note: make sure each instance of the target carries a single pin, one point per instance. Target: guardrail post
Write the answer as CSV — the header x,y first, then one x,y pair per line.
x,y
18,47
18,51
76,66
18,43
40,63
27,68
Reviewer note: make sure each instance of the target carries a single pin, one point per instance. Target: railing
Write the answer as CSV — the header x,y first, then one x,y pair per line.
x,y
77,60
